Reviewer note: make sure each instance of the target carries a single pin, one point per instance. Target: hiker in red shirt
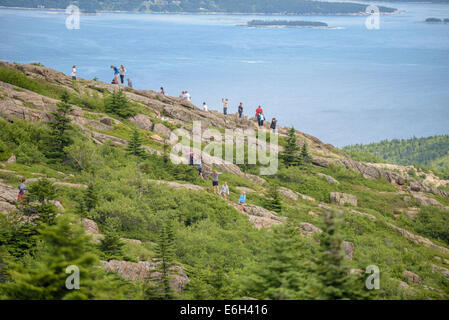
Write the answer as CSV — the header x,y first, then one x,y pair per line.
x,y
259,112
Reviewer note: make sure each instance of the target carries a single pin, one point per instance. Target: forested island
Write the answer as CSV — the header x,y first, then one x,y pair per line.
x,y
437,20
204,6
431,152
285,23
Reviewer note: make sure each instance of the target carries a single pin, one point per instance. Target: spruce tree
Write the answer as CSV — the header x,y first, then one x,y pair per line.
x,y
119,105
282,271
39,201
290,156
90,197
59,129
111,245
273,199
62,245
333,279
165,256
135,145
305,153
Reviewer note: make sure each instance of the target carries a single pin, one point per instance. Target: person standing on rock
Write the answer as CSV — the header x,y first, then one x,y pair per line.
x,y
162,91
240,110
242,201
215,182
74,71
191,158
225,105
205,106
261,119
122,73
22,190
224,190
258,112
273,124
187,96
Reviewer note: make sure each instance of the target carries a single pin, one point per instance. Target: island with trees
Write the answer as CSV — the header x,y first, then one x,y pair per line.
x,y
437,20
290,7
285,23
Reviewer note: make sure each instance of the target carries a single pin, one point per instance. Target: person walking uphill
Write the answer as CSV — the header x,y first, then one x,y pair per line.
x,y
242,202
122,73
224,190
215,182
22,190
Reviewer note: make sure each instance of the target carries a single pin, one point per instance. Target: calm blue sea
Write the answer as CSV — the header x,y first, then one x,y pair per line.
x,y
345,86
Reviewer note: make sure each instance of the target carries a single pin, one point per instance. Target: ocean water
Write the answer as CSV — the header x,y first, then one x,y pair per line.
x,y
347,85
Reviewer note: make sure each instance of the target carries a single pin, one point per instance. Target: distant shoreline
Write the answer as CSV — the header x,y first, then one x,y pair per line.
x,y
62,11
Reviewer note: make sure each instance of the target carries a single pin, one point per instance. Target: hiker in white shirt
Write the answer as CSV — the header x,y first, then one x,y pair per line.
x,y
224,190
225,105
205,106
74,71
122,73
187,96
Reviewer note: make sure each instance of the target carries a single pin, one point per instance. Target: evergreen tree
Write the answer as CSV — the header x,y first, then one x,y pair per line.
x,y
290,156
90,197
111,245
195,289
282,270
61,245
60,129
165,153
119,105
305,153
38,201
334,281
165,256
273,199
135,145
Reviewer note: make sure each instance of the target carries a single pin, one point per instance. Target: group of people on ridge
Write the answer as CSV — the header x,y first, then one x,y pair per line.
x,y
120,71
185,95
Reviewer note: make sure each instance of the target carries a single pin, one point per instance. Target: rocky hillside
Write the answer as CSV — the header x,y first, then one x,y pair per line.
x,y
387,217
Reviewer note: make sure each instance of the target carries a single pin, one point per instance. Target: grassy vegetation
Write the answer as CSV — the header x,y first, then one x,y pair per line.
x,y
19,79
223,254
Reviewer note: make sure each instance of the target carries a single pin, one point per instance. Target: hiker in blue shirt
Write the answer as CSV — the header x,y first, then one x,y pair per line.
x,y
242,201
116,73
